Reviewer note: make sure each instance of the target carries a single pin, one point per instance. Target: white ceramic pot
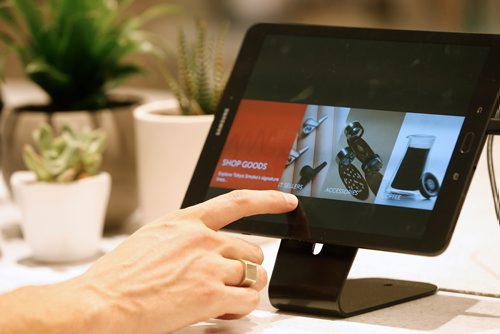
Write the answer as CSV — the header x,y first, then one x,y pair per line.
x,y
62,221
118,159
168,148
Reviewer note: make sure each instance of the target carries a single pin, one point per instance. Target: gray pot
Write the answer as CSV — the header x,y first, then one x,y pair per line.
x,y
118,160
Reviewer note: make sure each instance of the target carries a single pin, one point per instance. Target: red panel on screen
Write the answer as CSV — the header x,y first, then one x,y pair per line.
x,y
258,145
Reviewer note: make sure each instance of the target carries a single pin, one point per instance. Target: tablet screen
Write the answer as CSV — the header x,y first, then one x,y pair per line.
x,y
362,131
392,158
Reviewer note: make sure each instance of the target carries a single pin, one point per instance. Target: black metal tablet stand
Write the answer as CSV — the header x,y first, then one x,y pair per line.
x,y
317,284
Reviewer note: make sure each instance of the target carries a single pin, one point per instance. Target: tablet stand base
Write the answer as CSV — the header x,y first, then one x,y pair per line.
x,y
318,284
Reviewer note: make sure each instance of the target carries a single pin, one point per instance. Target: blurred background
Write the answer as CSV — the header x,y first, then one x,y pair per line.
x,y
442,15
475,16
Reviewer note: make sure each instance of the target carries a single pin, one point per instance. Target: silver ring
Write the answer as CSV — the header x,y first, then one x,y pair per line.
x,y
249,274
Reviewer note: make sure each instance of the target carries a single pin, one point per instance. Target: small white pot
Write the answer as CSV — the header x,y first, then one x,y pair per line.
x,y
62,221
168,148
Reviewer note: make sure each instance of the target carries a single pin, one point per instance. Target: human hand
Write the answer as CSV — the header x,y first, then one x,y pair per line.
x,y
177,270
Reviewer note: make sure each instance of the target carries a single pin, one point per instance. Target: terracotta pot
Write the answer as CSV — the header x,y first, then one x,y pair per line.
x,y
168,148
62,221
118,159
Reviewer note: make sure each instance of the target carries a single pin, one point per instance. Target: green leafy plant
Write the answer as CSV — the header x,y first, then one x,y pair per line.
x,y
74,154
199,80
76,50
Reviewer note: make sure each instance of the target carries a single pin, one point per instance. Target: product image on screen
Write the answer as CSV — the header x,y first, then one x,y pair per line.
x,y
335,152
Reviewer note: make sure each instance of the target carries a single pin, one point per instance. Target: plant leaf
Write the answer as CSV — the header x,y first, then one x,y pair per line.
x,y
203,96
67,175
6,38
43,137
186,76
177,91
6,15
34,163
76,50
40,66
155,12
29,10
218,75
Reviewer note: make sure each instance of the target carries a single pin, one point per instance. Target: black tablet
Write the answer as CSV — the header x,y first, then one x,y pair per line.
x,y
377,132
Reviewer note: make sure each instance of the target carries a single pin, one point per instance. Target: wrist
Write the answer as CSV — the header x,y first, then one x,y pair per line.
x,y
91,311
66,307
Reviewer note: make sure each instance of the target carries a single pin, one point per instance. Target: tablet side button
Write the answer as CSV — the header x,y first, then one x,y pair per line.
x,y
467,142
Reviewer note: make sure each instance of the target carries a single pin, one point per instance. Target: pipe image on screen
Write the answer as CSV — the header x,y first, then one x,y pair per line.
x,y
336,152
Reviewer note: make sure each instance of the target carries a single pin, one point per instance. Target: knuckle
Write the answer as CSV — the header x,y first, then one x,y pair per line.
x,y
254,251
280,198
202,235
211,293
263,275
253,299
259,254
240,197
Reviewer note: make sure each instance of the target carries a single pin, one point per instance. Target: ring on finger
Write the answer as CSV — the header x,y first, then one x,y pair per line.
x,y
249,274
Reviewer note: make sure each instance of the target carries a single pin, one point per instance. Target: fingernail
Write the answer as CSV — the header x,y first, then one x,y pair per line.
x,y
291,199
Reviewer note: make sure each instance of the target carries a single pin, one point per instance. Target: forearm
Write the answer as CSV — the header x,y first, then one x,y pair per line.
x,y
67,307
171,273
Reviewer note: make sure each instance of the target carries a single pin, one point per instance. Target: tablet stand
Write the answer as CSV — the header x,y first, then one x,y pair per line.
x,y
318,284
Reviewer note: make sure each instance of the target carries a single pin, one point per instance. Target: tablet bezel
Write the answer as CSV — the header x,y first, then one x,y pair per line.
x,y
459,173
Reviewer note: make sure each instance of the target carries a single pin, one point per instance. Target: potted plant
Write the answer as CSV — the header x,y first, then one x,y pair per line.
x,y
63,197
171,133
77,51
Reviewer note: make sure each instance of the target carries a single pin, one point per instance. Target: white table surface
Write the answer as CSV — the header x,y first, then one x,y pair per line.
x,y
470,266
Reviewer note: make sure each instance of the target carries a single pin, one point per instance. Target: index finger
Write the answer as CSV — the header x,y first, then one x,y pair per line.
x,y
225,209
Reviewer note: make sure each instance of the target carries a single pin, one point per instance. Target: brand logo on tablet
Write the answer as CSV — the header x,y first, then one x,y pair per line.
x,y
222,121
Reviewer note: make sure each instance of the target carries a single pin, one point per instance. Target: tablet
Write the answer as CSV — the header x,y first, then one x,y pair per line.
x,y
377,132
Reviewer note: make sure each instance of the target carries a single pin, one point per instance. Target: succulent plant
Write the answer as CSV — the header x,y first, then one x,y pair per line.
x,y
74,154
199,80
76,50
